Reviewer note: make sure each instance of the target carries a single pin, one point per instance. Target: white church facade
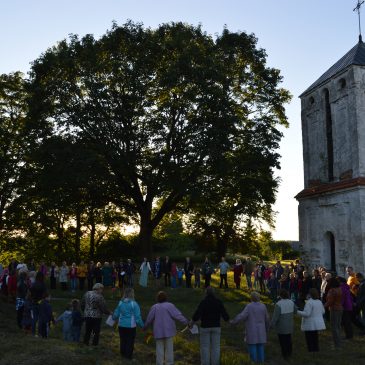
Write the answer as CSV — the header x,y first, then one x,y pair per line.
x,y
332,203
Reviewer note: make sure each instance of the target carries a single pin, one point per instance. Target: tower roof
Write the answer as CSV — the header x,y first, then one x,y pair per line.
x,y
355,56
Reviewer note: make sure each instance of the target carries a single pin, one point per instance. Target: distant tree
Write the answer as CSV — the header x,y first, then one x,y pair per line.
x,y
64,193
13,141
165,108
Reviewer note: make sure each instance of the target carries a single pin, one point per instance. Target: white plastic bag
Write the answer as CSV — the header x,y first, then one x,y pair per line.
x,y
110,321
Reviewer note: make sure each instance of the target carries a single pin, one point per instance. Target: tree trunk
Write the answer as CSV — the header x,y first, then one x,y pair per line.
x,y
145,235
92,235
78,233
221,247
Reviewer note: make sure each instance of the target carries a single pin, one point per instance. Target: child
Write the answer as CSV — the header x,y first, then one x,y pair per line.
x,y
27,314
20,298
197,273
66,318
273,286
76,320
180,273
45,316
73,277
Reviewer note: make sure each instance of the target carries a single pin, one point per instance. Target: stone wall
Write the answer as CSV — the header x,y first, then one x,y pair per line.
x,y
347,102
342,214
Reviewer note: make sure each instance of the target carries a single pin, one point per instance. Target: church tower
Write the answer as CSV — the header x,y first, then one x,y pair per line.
x,y
332,204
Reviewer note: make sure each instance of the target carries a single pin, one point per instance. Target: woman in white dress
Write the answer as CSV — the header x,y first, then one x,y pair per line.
x,y
145,269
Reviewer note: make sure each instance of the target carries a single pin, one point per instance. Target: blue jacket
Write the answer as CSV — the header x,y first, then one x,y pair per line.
x,y
128,313
45,312
66,318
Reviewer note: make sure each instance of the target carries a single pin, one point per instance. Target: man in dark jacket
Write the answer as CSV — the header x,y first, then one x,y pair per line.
x,y
209,312
166,269
188,270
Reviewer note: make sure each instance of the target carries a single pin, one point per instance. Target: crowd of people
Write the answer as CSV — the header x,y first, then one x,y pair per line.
x,y
318,297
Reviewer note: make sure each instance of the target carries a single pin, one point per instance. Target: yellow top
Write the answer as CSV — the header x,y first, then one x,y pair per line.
x,y
353,283
81,271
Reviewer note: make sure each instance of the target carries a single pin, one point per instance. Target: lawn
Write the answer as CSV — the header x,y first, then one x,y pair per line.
x,y
18,348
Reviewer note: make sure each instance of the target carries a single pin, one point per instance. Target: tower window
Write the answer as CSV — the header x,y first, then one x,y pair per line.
x,y
342,83
311,100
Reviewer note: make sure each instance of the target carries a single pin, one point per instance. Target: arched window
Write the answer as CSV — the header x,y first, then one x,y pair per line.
x,y
329,136
331,250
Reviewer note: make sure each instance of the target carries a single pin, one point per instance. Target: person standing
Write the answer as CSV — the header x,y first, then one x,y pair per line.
x,y
278,270
81,274
189,271
260,275
145,269
237,273
352,281
21,293
347,304
43,269
273,286
248,268
121,275
163,316
129,272
107,272
53,275
73,277
45,316
90,275
360,298
38,291
210,310
334,304
98,274
207,270
166,269
223,270
128,315
312,320
316,280
94,306
257,323
156,268
63,277
283,322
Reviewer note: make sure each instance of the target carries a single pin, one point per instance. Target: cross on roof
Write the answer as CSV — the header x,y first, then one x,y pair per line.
x,y
357,8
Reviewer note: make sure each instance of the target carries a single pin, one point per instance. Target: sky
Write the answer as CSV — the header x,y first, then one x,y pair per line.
x,y
302,38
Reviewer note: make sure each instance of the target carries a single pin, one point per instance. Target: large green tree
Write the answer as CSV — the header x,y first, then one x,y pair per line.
x,y
13,144
163,107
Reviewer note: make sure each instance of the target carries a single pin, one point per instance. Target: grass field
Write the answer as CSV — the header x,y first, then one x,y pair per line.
x,y
20,349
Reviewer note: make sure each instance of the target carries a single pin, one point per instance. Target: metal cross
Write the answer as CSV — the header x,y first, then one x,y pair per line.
x,y
357,8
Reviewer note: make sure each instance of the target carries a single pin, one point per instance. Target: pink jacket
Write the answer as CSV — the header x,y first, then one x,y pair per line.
x,y
163,316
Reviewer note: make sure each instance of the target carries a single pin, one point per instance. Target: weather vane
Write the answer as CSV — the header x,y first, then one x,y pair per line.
x,y
357,8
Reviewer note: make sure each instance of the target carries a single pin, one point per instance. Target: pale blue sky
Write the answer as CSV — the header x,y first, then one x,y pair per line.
x,y
303,38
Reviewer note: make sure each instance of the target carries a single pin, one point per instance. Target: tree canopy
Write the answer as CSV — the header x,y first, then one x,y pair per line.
x,y
176,117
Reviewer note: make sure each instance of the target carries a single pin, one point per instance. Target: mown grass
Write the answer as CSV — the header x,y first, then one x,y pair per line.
x,y
18,348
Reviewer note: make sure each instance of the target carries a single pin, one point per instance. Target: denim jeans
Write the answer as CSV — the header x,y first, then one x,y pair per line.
x,y
210,345
257,352
73,284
